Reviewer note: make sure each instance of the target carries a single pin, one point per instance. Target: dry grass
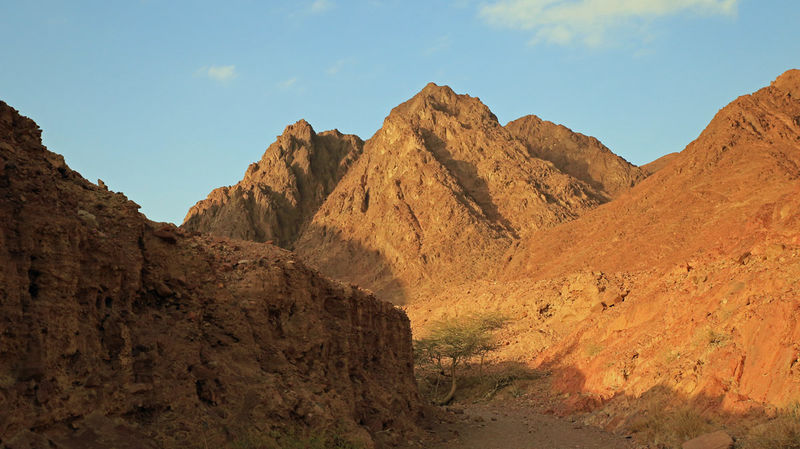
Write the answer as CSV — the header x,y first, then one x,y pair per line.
x,y
592,349
670,428
782,432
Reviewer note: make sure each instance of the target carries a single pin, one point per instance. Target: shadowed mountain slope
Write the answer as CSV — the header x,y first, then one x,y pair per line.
x,y
578,155
120,332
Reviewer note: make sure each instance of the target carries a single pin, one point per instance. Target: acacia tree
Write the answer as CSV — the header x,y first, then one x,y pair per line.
x,y
454,342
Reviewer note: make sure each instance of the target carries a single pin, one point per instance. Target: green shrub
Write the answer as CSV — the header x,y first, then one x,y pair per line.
x,y
454,342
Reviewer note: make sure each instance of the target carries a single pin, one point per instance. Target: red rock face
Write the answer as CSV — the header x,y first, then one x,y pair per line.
x,y
685,284
711,248
117,331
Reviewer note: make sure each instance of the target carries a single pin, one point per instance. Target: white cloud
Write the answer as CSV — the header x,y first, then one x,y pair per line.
x,y
320,6
221,73
590,22
337,66
288,83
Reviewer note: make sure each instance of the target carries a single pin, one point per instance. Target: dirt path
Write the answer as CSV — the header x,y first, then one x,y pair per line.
x,y
505,426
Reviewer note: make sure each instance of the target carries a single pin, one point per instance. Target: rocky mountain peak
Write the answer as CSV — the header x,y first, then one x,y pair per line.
x,y
280,193
440,190
583,157
789,82
437,101
439,193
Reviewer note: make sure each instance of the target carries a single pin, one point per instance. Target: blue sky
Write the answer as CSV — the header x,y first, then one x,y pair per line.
x,y
166,100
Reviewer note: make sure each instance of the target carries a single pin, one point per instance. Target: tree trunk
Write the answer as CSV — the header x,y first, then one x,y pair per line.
x,y
452,392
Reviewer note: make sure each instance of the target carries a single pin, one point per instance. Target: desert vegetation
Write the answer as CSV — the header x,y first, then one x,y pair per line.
x,y
780,432
451,344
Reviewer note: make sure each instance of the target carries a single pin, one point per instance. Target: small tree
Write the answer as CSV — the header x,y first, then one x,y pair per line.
x,y
454,342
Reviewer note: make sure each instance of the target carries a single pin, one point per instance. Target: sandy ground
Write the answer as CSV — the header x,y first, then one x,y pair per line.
x,y
504,426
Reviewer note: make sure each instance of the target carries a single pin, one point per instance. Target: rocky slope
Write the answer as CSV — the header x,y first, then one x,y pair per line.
x,y
721,282
580,156
120,332
440,191
713,199
683,288
280,193
658,164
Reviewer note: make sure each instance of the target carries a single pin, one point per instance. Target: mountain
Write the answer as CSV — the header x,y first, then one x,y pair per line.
x,y
712,199
280,193
580,156
120,332
437,195
681,291
712,238
440,191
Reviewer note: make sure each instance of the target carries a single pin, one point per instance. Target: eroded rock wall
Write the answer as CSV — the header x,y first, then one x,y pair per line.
x,y
119,332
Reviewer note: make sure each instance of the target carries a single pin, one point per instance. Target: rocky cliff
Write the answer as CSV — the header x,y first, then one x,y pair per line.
x,y
120,332
280,193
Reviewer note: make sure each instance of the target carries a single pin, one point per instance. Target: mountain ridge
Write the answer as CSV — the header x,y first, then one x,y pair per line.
x,y
484,191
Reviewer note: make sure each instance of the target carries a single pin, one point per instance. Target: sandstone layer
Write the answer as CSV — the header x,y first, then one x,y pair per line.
x,y
120,332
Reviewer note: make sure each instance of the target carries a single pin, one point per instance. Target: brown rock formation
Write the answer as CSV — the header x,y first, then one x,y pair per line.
x,y
280,193
120,332
578,155
440,190
710,248
707,201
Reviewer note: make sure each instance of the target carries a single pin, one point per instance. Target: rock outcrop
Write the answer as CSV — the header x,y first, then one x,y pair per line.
x,y
440,191
583,157
280,193
120,332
